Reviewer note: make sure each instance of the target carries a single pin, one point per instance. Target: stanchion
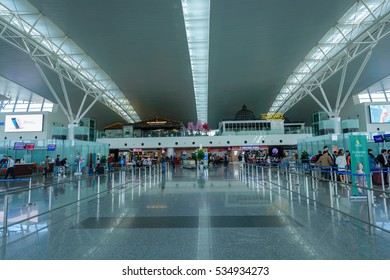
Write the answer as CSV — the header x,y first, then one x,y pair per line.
x,y
331,193
5,216
383,185
278,170
50,198
79,190
371,216
307,190
98,184
29,203
29,192
113,181
388,175
262,176
269,176
313,181
290,186
335,184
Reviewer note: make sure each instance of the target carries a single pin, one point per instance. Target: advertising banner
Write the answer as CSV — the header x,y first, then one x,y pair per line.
x,y
23,123
360,167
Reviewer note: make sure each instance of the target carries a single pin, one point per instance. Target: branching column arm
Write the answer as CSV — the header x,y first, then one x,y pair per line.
x,y
53,92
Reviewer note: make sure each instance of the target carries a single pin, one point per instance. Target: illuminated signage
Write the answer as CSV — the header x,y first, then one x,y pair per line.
x,y
157,122
270,116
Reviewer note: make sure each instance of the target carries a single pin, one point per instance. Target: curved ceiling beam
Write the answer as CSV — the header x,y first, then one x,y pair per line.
x,y
357,32
25,28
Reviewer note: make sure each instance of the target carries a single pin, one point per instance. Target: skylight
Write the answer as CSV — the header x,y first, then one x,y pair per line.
x,y
378,92
15,98
49,40
353,24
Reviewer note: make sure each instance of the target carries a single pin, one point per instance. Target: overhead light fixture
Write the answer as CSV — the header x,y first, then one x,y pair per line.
x,y
197,24
39,35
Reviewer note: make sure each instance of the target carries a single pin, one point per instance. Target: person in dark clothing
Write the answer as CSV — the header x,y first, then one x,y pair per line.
x,y
64,165
3,162
318,155
225,160
382,158
57,165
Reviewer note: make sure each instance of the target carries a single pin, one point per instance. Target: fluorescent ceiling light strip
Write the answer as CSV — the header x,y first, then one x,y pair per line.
x,y
26,18
197,24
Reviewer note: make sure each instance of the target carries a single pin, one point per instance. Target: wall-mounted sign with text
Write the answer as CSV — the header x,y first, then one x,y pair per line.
x,y
270,116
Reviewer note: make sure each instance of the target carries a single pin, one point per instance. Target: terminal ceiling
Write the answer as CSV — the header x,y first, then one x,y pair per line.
x,y
141,44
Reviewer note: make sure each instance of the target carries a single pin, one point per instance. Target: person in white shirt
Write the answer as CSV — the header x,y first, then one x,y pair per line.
x,y
10,168
341,163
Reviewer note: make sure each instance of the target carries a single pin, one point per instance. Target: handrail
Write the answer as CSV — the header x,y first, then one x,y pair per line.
x,y
110,185
21,189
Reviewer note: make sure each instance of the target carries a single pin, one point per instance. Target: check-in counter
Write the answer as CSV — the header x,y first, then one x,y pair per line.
x,y
23,169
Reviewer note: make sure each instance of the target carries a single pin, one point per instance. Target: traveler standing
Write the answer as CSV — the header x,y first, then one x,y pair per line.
x,y
64,165
341,163
225,160
348,158
382,158
109,161
46,166
57,165
325,162
10,168
371,159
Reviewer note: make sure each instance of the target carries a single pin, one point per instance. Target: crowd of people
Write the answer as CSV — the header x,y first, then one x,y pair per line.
x,y
327,161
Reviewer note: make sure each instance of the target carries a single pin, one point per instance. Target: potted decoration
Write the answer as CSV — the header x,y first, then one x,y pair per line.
x,y
199,156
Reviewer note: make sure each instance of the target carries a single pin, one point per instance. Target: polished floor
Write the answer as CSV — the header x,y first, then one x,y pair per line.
x,y
215,214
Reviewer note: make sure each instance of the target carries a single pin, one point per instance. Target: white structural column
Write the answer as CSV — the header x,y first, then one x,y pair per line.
x,y
73,121
57,98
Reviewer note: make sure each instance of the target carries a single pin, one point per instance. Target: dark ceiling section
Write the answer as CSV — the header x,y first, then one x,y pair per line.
x,y
19,68
141,44
256,45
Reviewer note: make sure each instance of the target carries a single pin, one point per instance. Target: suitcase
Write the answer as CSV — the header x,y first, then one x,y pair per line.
x,y
377,178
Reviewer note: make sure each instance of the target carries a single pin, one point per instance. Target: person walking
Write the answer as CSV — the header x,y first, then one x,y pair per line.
x,y
10,168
